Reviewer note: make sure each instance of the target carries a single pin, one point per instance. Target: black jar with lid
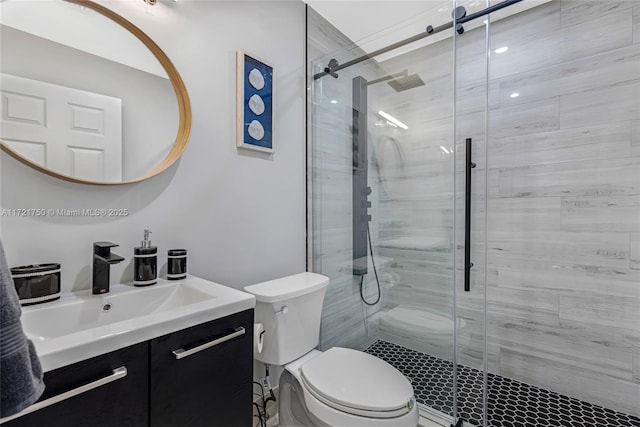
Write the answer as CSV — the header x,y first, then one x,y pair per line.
x,y
37,283
176,264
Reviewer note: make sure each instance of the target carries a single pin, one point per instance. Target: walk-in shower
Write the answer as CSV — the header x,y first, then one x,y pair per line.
x,y
498,198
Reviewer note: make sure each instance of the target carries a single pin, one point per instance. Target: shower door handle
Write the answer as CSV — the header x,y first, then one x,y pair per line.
x,y
467,217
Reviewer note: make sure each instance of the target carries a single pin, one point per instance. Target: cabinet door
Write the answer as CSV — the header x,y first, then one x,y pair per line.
x,y
208,383
116,400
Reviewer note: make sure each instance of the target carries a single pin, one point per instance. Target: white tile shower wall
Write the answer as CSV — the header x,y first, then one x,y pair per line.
x,y
564,198
240,214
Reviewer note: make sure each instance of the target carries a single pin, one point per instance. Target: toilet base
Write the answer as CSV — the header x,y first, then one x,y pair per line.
x,y
291,411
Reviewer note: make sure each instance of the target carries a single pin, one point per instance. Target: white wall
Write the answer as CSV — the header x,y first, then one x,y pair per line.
x,y
241,215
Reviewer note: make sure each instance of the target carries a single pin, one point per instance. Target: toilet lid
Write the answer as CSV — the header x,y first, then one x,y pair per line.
x,y
349,379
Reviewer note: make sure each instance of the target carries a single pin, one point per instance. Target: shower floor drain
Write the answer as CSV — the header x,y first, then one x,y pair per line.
x,y
511,403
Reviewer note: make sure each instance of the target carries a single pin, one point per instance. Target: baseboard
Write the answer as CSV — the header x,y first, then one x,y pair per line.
x,y
431,418
434,416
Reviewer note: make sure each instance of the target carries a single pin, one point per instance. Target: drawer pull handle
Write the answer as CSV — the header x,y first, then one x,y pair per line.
x,y
117,374
181,353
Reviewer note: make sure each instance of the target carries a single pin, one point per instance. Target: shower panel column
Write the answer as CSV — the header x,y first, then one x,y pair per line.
x,y
359,179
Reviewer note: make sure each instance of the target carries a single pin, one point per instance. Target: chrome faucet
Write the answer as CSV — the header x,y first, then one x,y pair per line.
x,y
102,259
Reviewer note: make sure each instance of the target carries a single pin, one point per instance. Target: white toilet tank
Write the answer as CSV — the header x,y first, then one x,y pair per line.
x,y
289,309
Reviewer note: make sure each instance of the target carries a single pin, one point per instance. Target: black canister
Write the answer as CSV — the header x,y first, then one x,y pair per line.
x,y
37,283
145,263
176,264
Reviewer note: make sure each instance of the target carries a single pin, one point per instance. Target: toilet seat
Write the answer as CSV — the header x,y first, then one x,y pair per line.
x,y
357,383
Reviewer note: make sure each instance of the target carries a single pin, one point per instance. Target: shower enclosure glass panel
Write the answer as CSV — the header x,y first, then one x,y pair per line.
x,y
382,177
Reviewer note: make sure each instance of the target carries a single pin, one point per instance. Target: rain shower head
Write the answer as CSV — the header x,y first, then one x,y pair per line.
x,y
406,83
399,81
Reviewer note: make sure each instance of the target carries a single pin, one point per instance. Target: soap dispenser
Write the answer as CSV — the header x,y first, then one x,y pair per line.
x,y
145,267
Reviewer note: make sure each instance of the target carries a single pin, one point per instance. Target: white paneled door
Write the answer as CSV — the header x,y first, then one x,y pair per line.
x,y
71,131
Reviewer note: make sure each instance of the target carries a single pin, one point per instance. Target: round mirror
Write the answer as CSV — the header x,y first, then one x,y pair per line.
x,y
87,96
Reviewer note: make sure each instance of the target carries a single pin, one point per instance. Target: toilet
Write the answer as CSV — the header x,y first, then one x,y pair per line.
x,y
338,387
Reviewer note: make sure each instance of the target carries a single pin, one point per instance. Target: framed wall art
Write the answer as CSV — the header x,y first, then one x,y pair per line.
x,y
254,103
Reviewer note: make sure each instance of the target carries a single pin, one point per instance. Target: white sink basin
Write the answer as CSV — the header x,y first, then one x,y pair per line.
x,y
81,325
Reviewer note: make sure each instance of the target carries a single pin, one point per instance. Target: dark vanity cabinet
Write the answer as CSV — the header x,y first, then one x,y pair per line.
x,y
200,377
118,392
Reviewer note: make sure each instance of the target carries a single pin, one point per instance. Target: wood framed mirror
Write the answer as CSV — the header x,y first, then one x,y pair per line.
x,y
113,110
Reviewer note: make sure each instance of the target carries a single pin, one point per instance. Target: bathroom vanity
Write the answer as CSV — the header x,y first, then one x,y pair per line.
x,y
182,371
